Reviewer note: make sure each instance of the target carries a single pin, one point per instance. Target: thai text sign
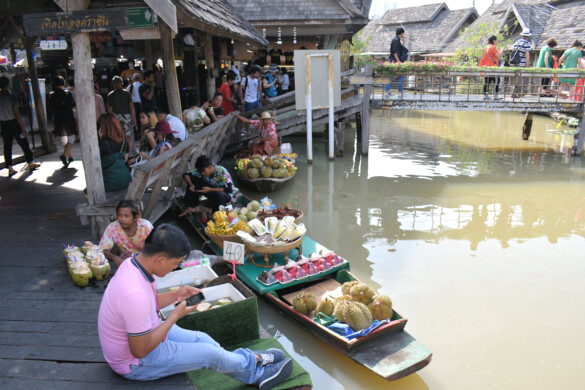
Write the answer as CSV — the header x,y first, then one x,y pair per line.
x,y
51,23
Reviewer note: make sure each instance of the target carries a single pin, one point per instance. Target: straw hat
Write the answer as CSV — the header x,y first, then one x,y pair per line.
x,y
266,115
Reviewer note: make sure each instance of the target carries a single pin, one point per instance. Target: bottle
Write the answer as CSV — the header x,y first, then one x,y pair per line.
x,y
22,136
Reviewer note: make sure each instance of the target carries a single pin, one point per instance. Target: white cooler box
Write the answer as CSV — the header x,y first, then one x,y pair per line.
x,y
193,276
212,294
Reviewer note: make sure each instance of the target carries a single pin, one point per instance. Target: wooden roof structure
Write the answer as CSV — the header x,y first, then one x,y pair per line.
x,y
311,18
429,28
218,17
559,19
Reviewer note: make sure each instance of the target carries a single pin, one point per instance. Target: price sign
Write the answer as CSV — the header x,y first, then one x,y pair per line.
x,y
234,252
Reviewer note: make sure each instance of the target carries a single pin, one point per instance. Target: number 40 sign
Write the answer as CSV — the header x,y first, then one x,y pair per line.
x,y
234,252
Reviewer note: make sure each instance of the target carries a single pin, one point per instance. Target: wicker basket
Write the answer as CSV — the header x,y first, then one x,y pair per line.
x,y
218,239
297,219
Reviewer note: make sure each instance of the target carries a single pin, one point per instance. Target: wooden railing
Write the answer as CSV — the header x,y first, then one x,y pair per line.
x,y
156,183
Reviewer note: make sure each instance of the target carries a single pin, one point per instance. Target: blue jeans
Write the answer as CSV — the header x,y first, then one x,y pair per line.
x,y
251,106
187,350
400,79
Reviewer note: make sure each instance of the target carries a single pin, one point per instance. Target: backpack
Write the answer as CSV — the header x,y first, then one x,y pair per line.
x,y
515,57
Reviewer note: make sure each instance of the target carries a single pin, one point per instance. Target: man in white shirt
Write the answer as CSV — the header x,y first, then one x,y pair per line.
x,y
250,89
177,125
134,91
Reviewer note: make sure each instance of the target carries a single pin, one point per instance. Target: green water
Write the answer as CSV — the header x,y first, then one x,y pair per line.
x,y
476,235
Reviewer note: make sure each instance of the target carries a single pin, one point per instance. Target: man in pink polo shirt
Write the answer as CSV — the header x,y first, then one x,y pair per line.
x,y
139,346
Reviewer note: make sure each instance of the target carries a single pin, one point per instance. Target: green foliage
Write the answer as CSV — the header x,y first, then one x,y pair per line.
x,y
358,47
474,41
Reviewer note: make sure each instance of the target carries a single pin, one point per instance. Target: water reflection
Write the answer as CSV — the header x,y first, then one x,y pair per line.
x,y
471,230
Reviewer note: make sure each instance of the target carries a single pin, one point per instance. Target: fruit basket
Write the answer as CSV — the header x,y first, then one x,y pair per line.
x,y
264,173
267,250
281,212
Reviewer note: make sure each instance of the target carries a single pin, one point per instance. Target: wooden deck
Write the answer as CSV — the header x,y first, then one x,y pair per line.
x,y
48,326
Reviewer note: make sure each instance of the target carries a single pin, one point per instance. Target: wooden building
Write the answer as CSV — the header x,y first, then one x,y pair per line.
x,y
429,29
313,24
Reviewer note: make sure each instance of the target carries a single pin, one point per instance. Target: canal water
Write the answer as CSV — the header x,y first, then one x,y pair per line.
x,y
476,235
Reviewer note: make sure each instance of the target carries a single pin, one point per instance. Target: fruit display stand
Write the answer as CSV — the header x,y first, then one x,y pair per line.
x,y
264,185
267,250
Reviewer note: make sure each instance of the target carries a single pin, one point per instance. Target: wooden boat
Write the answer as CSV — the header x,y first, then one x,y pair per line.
x,y
263,184
388,351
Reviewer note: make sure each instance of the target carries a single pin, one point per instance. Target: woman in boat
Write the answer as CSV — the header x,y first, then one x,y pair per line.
x,y
212,181
268,140
127,233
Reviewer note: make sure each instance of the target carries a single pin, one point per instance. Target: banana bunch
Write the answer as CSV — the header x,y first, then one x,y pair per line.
x,y
222,222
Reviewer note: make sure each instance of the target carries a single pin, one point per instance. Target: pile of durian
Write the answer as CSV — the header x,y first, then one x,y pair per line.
x,y
86,262
357,307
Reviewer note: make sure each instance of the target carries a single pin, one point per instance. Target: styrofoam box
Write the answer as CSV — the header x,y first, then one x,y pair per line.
x,y
190,276
213,294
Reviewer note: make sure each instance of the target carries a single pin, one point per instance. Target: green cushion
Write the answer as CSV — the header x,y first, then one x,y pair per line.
x,y
207,379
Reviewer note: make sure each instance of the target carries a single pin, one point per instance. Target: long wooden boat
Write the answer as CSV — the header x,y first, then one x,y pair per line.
x,y
262,184
388,351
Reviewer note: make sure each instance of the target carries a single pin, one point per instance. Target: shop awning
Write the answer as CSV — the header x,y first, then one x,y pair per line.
x,y
217,17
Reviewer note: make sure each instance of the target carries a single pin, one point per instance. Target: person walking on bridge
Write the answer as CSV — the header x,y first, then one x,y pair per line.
x,y
491,57
398,54
521,58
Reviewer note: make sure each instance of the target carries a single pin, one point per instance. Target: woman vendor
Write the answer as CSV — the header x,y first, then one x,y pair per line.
x,y
213,181
268,140
127,233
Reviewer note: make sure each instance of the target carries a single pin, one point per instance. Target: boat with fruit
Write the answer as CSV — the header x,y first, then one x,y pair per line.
x,y
265,173
319,291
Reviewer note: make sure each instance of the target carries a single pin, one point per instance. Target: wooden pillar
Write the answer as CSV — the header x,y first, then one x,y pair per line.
x,y
210,65
172,86
366,114
527,126
579,138
147,54
340,136
88,136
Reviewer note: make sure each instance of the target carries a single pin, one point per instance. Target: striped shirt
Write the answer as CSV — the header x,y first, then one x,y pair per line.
x,y
524,47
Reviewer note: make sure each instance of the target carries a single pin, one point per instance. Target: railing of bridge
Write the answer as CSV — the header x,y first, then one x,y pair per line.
x,y
466,90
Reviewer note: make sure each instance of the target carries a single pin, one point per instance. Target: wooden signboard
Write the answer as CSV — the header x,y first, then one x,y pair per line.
x,y
53,23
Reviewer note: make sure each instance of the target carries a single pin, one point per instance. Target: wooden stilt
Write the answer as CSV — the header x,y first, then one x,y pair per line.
x,y
527,127
170,71
340,131
579,138
365,138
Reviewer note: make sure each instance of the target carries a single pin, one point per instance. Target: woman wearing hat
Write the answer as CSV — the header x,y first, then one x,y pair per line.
x,y
270,81
268,140
164,140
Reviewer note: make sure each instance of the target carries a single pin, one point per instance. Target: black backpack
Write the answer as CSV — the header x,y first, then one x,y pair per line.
x,y
515,57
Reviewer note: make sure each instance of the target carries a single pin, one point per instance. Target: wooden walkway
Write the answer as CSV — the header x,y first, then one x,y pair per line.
x,y
48,326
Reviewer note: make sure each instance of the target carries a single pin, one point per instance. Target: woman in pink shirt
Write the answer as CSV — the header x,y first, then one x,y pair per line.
x,y
268,140
128,232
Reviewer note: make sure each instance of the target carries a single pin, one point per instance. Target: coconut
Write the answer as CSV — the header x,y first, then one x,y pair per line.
x,y
81,275
89,246
224,301
203,306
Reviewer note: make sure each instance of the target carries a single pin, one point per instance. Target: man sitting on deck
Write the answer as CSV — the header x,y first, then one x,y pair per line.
x,y
139,346
213,181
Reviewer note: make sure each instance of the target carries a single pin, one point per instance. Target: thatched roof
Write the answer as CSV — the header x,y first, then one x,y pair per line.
x,y
565,26
429,28
301,10
560,19
218,17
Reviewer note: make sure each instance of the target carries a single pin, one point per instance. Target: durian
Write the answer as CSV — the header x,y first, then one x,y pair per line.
x,y
304,303
357,316
266,171
253,173
326,306
381,308
361,292
345,287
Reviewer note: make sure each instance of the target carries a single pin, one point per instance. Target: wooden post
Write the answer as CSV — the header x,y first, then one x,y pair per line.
x,y
340,136
366,114
527,126
210,65
88,136
172,86
147,54
579,138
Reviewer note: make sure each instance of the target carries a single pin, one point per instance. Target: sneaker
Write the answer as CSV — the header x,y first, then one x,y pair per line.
x,y
270,356
63,159
274,374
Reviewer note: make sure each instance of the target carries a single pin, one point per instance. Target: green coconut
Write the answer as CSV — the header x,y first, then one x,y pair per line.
x,y
251,215
81,275
100,272
254,205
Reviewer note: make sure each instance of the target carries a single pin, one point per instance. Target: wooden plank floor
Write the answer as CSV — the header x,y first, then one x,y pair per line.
x,y
48,330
